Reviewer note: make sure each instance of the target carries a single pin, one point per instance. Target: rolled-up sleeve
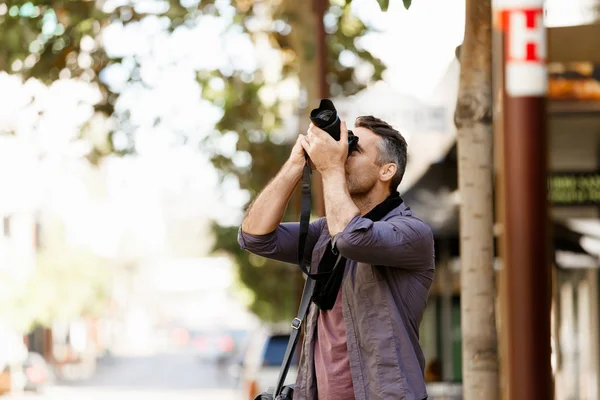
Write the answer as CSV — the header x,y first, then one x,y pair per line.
x,y
403,242
282,243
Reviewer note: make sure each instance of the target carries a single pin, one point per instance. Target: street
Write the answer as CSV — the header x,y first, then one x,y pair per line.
x,y
173,376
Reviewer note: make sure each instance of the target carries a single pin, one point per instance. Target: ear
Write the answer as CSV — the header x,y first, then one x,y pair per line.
x,y
387,172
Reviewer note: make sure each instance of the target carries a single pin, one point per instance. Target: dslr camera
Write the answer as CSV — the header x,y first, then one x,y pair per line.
x,y
326,118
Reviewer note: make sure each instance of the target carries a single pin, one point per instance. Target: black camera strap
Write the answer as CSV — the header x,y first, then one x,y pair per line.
x,y
295,334
307,293
305,223
304,215
309,285
320,117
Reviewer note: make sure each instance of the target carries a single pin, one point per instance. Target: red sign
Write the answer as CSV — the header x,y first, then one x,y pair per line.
x,y
526,52
526,39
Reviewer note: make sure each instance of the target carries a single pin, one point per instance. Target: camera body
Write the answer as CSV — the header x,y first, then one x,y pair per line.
x,y
326,118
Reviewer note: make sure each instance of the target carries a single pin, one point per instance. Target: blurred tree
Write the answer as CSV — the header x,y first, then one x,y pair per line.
x,y
67,283
259,124
54,39
49,40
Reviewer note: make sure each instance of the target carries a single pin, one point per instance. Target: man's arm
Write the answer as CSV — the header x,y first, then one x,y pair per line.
x,y
403,242
339,207
266,212
282,243
262,232
329,156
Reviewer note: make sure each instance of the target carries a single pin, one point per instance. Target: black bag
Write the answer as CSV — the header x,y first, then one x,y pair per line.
x,y
286,394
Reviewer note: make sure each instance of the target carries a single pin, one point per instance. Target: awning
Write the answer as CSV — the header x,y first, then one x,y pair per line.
x,y
426,122
435,199
574,43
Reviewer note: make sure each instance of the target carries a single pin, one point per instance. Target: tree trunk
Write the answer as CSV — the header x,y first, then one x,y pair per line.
x,y
308,40
473,119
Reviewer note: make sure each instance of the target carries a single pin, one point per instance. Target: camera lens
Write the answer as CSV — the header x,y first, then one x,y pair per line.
x,y
325,115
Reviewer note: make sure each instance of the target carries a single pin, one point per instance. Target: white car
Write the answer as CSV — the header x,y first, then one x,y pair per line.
x,y
263,359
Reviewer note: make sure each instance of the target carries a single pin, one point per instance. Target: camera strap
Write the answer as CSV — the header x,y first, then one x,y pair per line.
x,y
304,215
309,285
295,334
305,223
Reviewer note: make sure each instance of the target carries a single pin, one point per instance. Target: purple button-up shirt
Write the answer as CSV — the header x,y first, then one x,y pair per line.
x,y
389,270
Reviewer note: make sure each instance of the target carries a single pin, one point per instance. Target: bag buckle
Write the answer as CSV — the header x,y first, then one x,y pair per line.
x,y
296,322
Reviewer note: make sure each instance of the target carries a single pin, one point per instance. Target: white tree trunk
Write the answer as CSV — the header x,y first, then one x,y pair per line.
x,y
475,138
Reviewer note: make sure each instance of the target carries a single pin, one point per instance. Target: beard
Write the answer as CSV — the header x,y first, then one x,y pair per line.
x,y
359,184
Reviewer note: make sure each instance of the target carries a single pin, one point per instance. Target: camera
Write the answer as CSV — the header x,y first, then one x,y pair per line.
x,y
326,118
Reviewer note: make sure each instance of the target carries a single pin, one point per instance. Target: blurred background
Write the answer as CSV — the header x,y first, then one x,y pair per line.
x,y
134,133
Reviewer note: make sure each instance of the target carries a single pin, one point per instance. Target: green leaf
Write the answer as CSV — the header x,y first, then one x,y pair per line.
x,y
407,3
384,4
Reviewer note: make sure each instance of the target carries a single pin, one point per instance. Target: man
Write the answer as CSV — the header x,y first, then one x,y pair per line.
x,y
365,343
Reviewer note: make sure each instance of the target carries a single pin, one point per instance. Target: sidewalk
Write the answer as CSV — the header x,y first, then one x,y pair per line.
x,y
91,393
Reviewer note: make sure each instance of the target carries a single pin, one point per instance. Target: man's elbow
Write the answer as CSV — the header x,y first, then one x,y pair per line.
x,y
350,247
244,225
240,238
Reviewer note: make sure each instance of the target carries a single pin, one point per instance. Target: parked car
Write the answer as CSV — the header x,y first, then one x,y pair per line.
x,y
13,353
263,359
444,391
220,346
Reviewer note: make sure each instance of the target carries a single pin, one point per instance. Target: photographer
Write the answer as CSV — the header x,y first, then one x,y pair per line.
x,y
362,330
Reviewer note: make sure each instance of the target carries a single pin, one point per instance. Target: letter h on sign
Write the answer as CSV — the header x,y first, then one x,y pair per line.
x,y
526,73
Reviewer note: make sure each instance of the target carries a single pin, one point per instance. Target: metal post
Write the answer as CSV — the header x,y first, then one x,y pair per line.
x,y
526,222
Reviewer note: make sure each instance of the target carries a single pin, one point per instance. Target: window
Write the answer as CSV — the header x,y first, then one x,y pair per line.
x,y
275,351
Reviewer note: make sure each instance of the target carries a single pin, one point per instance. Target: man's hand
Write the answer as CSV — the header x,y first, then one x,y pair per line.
x,y
324,151
297,156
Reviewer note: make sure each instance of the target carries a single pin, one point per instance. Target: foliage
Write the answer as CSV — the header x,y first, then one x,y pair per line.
x,y
259,128
61,39
384,4
51,40
67,283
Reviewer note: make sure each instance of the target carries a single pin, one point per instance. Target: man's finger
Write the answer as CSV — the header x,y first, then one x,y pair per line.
x,y
318,132
304,143
343,132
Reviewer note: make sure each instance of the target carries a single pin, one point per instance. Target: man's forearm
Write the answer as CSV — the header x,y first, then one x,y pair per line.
x,y
339,207
266,212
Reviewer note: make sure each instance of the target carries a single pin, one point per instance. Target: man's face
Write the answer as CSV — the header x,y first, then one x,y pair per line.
x,y
362,172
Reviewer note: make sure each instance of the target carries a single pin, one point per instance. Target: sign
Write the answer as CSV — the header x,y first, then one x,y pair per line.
x,y
574,188
579,81
525,48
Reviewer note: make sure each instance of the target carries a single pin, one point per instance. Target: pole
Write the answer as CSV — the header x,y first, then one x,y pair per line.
x,y
319,7
526,220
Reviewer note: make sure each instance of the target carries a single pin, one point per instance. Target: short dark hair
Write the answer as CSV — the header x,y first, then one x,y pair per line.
x,y
392,147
